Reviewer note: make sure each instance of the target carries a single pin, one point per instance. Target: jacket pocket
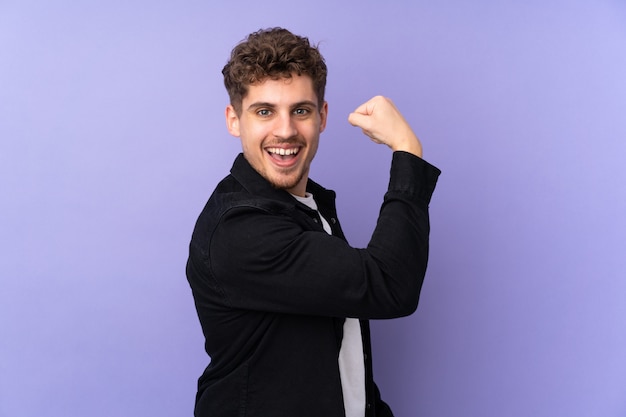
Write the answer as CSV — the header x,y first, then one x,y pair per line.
x,y
224,397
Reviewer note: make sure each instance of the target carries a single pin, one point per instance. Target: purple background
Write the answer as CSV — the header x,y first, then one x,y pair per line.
x,y
112,137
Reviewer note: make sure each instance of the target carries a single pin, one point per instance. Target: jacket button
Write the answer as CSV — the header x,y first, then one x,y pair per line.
x,y
333,220
368,406
315,220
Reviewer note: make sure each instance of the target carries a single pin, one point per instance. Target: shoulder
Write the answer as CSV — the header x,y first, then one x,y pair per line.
x,y
235,205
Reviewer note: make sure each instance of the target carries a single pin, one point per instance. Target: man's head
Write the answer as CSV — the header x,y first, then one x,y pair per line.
x,y
272,54
276,84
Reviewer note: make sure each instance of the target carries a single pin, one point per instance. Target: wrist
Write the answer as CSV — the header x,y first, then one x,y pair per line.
x,y
411,146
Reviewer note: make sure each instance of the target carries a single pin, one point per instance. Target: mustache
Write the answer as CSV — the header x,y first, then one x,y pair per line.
x,y
294,140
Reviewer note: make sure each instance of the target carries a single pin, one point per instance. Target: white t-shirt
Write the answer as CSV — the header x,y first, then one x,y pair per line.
x,y
351,360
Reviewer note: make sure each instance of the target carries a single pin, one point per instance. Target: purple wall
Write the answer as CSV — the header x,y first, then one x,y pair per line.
x,y
112,136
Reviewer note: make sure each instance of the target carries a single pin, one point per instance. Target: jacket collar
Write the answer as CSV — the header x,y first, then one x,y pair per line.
x,y
255,184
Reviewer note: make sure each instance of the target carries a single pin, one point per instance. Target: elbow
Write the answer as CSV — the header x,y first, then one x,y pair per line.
x,y
403,304
407,297
408,306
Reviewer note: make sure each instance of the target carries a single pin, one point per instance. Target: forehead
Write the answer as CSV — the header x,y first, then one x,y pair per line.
x,y
282,90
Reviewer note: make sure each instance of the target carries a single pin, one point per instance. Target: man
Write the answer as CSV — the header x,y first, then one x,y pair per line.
x,y
278,290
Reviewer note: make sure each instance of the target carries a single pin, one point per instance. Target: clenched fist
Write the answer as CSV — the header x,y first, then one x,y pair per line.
x,y
381,120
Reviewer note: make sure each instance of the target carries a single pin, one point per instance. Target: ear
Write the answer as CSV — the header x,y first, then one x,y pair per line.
x,y
323,116
232,121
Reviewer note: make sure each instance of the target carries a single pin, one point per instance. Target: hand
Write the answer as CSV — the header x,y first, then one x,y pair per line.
x,y
380,119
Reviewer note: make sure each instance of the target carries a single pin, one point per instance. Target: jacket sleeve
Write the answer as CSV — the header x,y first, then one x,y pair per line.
x,y
268,262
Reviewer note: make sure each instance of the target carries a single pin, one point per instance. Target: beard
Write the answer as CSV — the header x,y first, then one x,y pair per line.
x,y
287,180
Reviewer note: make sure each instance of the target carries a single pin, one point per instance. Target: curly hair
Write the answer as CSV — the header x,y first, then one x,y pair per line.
x,y
272,53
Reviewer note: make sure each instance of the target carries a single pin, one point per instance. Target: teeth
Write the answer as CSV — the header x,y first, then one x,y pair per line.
x,y
281,151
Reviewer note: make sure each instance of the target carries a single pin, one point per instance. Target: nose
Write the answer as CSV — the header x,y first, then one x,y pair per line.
x,y
285,127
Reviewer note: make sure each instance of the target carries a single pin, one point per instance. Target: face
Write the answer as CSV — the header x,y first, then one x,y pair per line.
x,y
279,127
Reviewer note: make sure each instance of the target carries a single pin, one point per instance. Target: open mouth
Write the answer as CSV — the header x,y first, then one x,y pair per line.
x,y
283,155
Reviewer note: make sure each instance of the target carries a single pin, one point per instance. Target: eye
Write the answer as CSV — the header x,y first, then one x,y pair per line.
x,y
301,112
264,112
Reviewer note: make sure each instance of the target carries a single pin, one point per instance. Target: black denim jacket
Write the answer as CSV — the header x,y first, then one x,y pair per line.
x,y
271,290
